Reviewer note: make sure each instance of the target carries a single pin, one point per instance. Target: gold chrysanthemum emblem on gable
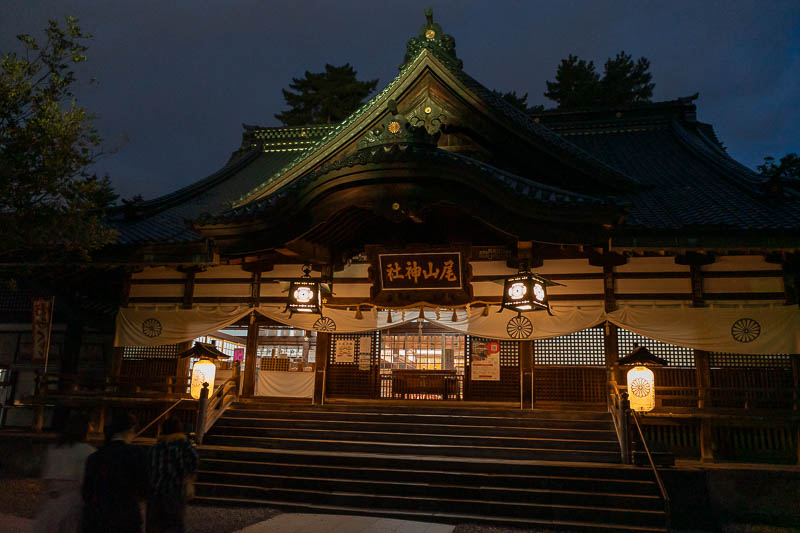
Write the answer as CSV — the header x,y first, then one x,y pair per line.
x,y
430,34
394,127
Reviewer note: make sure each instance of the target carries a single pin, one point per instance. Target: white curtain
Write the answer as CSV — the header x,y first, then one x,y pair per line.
x,y
156,325
735,329
741,329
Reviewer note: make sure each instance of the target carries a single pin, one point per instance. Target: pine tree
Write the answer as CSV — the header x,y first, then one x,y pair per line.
x,y
626,82
577,84
324,97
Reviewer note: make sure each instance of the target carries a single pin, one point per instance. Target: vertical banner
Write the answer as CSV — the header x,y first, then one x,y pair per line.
x,y
238,354
364,353
40,327
345,350
486,361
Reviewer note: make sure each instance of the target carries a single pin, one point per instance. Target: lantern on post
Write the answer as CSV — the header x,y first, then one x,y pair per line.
x,y
304,294
641,380
525,291
204,370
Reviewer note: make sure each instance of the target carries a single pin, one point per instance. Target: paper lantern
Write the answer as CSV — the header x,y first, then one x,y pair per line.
x,y
525,291
641,388
203,372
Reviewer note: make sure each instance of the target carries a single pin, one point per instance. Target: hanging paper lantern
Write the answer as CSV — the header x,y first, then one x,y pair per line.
x,y
304,296
641,388
203,372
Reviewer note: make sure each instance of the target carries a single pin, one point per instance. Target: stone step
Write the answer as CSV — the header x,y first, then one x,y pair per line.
x,y
251,457
437,516
366,500
435,487
414,448
298,419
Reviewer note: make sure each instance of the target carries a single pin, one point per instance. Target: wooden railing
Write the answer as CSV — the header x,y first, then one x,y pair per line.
x,y
620,408
157,419
661,487
210,409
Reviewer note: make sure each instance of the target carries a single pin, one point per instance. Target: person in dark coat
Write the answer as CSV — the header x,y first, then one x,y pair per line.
x,y
169,463
115,481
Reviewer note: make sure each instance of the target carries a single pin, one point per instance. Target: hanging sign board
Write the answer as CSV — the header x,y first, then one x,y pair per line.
x,y
345,350
485,361
420,271
238,354
41,325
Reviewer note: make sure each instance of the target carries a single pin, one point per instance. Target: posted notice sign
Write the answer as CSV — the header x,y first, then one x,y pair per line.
x,y
486,361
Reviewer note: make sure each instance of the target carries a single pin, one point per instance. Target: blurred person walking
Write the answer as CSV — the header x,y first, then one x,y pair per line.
x,y
61,508
115,481
172,461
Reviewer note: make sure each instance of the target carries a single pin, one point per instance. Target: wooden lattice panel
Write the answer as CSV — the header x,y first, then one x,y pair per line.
x,y
680,438
150,352
569,384
760,388
274,364
507,388
347,379
581,348
15,301
725,360
772,444
675,355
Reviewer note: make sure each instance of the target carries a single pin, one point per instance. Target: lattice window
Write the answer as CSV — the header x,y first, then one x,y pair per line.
x,y
150,352
271,363
675,355
15,301
725,360
509,350
583,348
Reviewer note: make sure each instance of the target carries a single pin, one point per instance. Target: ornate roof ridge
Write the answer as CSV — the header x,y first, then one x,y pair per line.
x,y
374,153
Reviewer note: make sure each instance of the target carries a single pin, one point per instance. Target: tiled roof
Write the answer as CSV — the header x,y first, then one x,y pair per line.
x,y
690,181
534,191
166,219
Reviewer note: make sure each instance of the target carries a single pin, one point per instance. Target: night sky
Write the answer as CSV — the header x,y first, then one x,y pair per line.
x,y
177,79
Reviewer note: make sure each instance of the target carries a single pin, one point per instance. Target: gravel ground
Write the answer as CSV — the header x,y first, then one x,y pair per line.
x,y
220,519
20,496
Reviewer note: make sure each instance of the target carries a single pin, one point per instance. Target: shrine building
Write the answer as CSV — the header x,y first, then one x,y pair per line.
x,y
375,261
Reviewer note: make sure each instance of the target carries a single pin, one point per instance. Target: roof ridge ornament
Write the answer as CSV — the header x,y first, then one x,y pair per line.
x,y
396,131
434,39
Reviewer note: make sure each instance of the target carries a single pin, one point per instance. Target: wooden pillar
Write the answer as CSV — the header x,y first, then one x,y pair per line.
x,y
250,357
703,378
790,266
182,369
526,374
608,261
695,261
116,364
188,284
323,350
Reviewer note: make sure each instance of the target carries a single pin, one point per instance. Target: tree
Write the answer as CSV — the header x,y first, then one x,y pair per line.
x,y
577,84
787,169
520,102
624,81
324,97
51,206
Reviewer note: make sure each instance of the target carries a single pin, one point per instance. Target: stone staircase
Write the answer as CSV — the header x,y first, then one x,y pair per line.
x,y
551,469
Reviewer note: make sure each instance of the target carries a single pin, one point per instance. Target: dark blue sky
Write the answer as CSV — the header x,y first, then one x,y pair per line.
x,y
177,79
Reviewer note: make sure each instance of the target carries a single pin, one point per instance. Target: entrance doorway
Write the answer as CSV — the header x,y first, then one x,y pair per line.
x,y
421,362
